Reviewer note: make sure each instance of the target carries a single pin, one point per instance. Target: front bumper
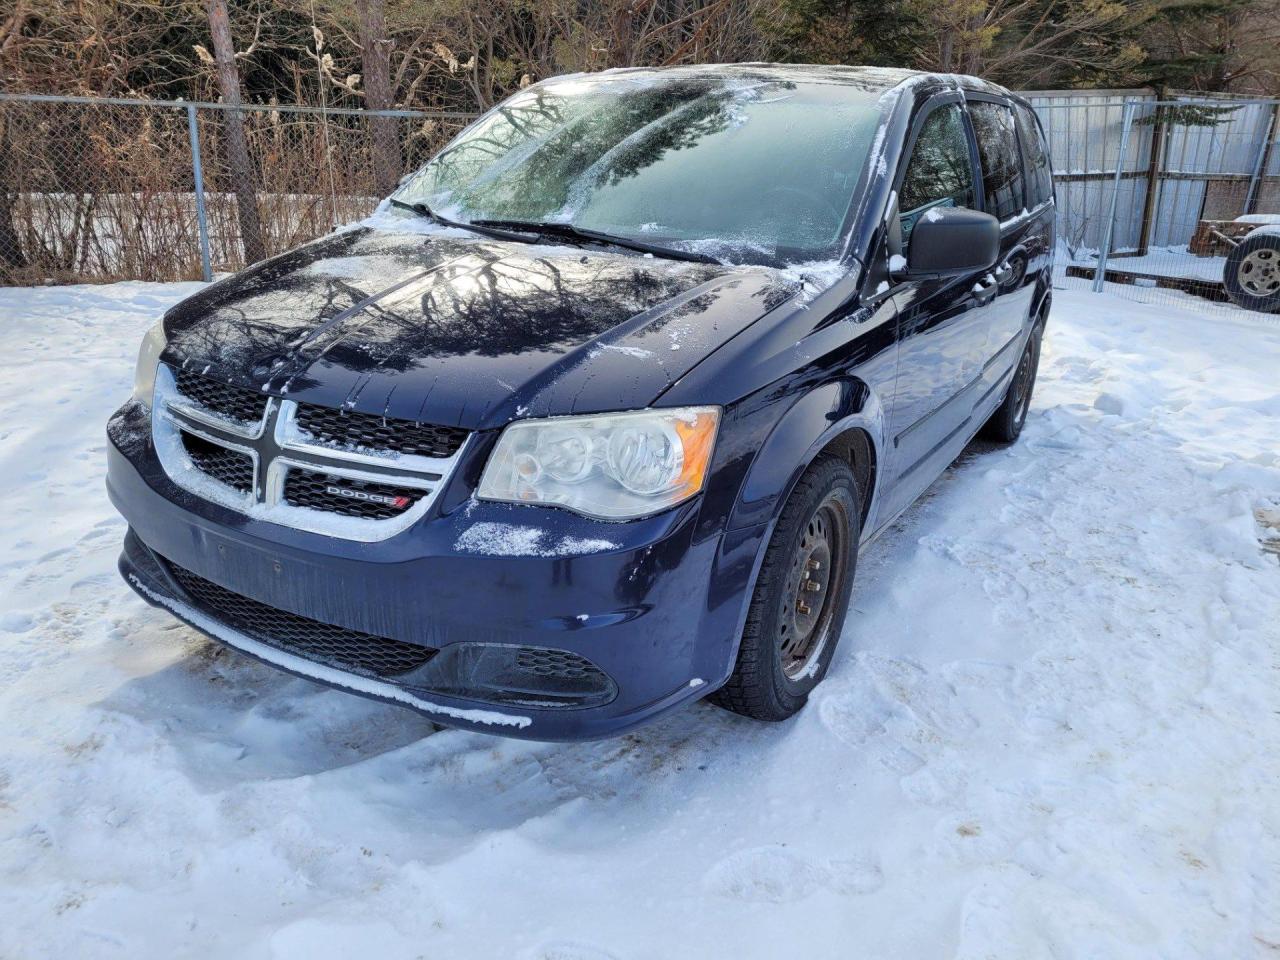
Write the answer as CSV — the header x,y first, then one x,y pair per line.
x,y
657,606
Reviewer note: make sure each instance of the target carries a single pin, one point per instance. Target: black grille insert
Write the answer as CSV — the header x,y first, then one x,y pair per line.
x,y
351,498
232,467
362,653
235,403
560,664
378,433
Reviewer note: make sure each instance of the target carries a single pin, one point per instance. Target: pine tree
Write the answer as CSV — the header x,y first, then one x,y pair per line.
x,y
1213,45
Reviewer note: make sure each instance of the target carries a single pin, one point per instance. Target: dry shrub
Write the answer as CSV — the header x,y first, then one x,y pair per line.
x,y
94,193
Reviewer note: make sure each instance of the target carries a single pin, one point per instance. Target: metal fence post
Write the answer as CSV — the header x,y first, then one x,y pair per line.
x,y
202,220
1154,160
1272,128
1100,274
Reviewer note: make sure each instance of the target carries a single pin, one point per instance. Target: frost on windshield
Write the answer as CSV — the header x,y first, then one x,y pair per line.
x,y
747,168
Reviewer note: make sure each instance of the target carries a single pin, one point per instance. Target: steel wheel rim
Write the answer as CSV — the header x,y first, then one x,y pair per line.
x,y
1022,382
1259,272
813,580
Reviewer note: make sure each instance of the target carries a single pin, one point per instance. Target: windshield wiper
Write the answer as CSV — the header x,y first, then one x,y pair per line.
x,y
529,231
485,231
567,231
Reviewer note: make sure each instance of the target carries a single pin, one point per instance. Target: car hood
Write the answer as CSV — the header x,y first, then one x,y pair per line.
x,y
447,328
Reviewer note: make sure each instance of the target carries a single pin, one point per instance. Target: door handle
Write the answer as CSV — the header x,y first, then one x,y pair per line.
x,y
1012,264
985,289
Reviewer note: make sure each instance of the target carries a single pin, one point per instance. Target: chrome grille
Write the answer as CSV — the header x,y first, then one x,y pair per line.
x,y
354,498
235,403
348,475
227,466
362,430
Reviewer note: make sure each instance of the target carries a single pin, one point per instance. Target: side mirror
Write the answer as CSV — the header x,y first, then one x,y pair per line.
x,y
947,241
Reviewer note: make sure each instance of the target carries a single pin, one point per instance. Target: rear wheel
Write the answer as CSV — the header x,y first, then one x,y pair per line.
x,y
1252,274
801,596
1005,425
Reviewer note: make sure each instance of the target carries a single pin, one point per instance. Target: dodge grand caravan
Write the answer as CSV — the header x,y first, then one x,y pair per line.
x,y
590,419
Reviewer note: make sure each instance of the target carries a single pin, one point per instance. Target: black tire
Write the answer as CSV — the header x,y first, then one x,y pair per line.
x,y
1252,274
1005,425
775,670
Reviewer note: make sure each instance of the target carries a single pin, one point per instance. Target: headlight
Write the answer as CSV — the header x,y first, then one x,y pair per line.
x,y
614,466
144,374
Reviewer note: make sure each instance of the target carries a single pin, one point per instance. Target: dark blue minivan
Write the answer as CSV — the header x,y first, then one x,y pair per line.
x,y
590,418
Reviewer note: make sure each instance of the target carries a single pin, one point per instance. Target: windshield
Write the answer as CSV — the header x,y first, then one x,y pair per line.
x,y
744,169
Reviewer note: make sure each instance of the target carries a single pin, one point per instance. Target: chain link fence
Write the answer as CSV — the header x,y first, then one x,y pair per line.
x,y
1154,193
101,190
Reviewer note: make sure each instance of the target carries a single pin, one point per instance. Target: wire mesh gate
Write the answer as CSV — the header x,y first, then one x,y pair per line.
x,y
1155,193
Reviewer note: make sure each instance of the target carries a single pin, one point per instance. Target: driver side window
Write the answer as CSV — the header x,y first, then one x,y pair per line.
x,y
939,173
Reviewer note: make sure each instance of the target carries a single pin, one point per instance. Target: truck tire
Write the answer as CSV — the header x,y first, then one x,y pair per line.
x,y
1252,274
801,596
1005,424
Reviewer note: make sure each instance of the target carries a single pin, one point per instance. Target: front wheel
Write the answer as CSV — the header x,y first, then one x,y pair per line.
x,y
801,596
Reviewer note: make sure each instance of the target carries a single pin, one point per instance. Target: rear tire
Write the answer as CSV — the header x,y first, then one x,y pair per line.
x,y
1005,425
1252,274
801,596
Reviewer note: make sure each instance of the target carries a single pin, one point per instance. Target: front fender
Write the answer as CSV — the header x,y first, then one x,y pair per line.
x,y
817,418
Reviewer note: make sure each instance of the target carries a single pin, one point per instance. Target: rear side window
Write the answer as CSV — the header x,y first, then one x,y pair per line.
x,y
1001,160
939,173
1039,185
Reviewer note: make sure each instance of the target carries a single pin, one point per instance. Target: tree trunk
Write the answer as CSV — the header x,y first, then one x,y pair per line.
x,y
375,60
11,255
242,179
946,51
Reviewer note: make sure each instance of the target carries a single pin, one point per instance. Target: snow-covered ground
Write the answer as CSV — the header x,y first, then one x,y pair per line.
x,y
1177,262
1052,729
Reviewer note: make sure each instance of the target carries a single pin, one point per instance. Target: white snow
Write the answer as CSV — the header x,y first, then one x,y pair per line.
x,y
814,277
638,353
1052,728
876,156
501,540
1018,217
1158,261
516,540
356,268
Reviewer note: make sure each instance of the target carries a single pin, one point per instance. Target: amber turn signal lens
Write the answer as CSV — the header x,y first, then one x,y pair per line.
x,y
698,437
